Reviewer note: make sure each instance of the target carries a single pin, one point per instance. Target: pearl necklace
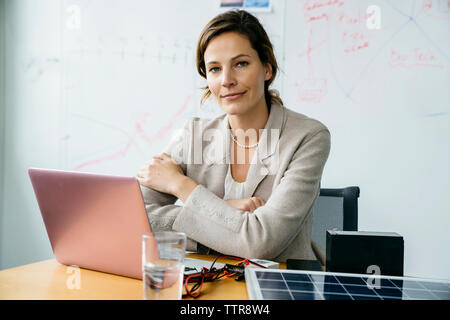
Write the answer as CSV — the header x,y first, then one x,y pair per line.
x,y
243,145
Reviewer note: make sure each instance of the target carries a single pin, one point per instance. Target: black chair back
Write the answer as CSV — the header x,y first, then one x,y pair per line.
x,y
335,208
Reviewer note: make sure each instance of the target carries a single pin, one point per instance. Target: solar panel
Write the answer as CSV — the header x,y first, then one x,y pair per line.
x,y
266,284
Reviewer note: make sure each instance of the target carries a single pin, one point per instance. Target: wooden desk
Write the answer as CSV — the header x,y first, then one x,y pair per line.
x,y
48,280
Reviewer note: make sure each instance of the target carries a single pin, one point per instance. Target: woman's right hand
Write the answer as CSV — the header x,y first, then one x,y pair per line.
x,y
249,204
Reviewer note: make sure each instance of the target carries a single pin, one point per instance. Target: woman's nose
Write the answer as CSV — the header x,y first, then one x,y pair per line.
x,y
228,78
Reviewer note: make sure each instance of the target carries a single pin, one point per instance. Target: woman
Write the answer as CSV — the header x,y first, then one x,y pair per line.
x,y
248,179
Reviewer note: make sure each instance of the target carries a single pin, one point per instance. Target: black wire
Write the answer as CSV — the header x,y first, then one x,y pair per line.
x,y
236,257
212,265
202,277
218,273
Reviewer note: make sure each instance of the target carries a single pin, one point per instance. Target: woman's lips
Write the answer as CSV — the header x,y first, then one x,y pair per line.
x,y
234,96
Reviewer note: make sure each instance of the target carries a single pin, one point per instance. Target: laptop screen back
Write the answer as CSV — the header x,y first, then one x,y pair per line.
x,y
93,221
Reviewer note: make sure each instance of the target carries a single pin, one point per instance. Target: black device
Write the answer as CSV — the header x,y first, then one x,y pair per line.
x,y
364,252
300,264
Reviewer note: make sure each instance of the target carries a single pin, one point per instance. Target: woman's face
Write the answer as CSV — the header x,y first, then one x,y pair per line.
x,y
235,74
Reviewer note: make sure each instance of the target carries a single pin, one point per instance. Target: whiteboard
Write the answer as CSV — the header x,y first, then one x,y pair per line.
x,y
376,73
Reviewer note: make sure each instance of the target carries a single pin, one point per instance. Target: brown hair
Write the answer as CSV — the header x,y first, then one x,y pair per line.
x,y
244,23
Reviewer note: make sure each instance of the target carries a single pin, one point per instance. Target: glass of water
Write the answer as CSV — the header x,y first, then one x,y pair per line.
x,y
163,265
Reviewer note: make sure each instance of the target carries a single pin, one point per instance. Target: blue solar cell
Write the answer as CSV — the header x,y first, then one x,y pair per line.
x,y
389,292
333,288
269,275
301,286
395,282
387,283
306,295
407,284
351,280
359,290
331,279
272,284
276,295
296,277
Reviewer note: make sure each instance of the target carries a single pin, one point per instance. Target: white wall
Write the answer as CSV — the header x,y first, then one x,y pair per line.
x,y
105,95
2,107
31,126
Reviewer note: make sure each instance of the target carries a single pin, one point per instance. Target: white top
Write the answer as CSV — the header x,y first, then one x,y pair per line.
x,y
233,189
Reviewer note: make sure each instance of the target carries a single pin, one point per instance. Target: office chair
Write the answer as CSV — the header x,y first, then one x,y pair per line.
x,y
334,208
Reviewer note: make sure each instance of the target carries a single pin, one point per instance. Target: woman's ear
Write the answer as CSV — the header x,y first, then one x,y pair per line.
x,y
268,71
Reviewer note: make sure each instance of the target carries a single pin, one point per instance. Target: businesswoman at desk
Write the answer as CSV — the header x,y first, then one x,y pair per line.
x,y
249,178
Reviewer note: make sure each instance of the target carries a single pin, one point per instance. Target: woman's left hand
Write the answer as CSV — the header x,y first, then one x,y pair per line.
x,y
161,174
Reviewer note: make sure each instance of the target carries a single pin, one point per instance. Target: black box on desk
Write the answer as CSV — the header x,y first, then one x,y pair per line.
x,y
355,251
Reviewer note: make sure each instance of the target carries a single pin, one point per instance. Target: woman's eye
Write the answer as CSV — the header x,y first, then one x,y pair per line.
x,y
242,63
214,69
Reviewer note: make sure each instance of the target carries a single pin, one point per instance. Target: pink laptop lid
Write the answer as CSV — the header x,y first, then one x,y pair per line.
x,y
93,221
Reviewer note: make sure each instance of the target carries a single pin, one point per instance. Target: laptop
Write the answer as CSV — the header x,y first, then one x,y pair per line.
x,y
93,221
96,221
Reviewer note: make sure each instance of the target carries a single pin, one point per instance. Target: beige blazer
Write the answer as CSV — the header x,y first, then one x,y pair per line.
x,y
285,172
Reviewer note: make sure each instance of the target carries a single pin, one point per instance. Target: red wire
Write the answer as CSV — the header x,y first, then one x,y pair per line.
x,y
208,275
205,274
194,295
